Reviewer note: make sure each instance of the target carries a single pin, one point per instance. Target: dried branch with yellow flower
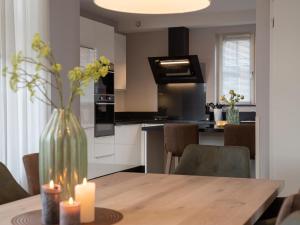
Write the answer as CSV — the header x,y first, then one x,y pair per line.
x,y
79,77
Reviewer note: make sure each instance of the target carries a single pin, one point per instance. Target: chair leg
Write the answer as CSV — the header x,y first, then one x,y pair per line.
x,y
176,162
168,163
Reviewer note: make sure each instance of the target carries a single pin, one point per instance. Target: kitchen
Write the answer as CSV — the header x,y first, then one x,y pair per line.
x,y
135,80
113,109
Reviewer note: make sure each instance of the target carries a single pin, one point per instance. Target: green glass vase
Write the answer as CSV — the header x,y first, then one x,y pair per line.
x,y
63,152
233,116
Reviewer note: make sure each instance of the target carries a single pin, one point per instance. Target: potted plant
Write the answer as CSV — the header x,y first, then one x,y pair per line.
x,y
63,143
232,113
218,110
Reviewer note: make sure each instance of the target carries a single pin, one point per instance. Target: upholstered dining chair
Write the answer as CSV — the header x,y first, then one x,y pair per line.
x,y
221,161
290,205
292,219
176,137
270,215
31,165
10,190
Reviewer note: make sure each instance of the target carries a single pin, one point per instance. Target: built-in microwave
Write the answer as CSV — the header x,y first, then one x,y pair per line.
x,y
104,106
105,85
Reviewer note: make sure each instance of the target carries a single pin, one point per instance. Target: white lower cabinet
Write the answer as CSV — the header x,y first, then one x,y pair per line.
x,y
127,134
127,144
123,149
104,149
127,154
105,140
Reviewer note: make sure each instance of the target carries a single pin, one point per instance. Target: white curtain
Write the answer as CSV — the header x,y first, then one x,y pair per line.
x,y
21,121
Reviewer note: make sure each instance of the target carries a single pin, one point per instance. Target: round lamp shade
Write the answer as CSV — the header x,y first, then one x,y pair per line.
x,y
153,6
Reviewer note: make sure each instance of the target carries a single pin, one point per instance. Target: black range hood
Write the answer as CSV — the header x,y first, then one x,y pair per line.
x,y
179,66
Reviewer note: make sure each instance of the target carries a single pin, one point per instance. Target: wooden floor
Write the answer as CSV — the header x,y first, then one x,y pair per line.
x,y
155,199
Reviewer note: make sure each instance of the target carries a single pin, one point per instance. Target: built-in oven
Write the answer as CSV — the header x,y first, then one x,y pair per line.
x,y
104,106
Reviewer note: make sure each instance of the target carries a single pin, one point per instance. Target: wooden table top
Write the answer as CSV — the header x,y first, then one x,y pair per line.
x,y
157,199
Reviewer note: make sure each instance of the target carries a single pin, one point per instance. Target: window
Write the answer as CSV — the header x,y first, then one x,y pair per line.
x,y
236,66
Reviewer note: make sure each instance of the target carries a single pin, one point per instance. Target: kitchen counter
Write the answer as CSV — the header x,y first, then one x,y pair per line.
x,y
150,125
148,128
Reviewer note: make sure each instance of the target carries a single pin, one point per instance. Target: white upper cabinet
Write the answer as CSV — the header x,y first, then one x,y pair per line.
x,y
120,62
96,39
98,36
87,112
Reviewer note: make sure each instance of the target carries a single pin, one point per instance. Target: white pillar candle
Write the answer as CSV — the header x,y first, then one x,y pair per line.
x,y
85,194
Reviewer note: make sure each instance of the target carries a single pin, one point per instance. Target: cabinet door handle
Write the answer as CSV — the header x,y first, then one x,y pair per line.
x,y
104,103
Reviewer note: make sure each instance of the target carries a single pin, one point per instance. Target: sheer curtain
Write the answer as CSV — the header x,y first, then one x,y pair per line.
x,y
21,121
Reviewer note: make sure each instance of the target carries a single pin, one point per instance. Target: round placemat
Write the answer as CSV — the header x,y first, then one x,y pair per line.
x,y
102,217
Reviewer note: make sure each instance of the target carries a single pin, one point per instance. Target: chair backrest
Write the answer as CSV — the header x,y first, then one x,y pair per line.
x,y
10,190
290,205
178,135
221,161
240,135
31,165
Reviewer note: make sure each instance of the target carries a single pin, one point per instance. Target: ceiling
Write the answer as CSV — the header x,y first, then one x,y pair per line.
x,y
220,13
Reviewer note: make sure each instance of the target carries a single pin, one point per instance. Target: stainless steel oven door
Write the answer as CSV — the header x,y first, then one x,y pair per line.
x,y
104,119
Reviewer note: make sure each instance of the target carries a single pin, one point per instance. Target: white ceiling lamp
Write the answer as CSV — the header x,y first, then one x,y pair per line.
x,y
153,6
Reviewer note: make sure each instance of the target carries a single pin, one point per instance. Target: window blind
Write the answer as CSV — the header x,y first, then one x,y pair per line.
x,y
236,66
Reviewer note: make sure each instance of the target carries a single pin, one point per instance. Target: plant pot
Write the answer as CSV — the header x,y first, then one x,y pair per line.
x,y
218,114
233,116
63,152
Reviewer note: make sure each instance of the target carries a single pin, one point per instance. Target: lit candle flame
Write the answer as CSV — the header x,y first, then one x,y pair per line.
x,y
84,181
71,201
51,184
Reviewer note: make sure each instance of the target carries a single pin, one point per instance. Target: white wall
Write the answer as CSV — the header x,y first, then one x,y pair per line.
x,y
120,71
141,93
284,95
64,39
203,43
262,55
196,20
140,82
120,101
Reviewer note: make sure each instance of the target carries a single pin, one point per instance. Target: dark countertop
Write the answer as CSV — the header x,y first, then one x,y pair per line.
x,y
155,125
127,118
159,122
202,128
128,122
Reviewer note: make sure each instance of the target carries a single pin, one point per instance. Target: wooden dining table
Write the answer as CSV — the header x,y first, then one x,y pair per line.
x,y
159,199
